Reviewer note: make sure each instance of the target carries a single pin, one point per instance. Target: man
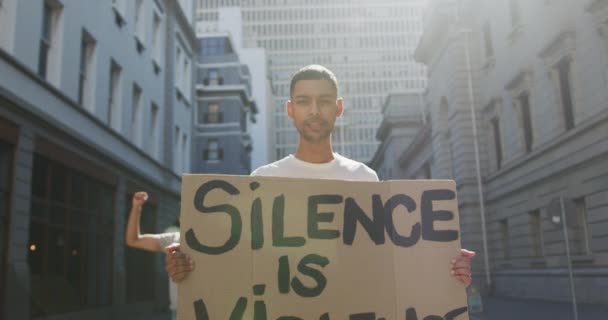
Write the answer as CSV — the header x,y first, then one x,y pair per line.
x,y
149,242
313,107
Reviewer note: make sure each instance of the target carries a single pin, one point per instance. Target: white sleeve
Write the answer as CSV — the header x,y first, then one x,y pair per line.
x,y
166,239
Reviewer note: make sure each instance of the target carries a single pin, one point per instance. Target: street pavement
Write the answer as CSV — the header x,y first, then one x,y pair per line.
x,y
499,308
503,308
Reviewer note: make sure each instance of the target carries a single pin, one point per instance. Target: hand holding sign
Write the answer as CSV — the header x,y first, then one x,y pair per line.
x,y
177,264
461,267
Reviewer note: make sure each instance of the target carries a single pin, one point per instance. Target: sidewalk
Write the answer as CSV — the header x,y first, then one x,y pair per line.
x,y
151,316
503,308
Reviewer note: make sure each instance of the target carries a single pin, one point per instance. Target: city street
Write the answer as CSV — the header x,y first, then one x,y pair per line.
x,y
322,158
503,308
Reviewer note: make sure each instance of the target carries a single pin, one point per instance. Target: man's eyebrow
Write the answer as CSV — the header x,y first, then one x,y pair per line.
x,y
327,95
324,96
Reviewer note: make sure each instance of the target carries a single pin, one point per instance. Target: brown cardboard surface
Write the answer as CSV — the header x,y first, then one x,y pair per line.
x,y
364,280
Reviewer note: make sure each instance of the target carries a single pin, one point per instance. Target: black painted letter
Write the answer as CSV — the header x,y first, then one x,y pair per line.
x,y
278,226
315,274
410,205
429,216
314,216
354,213
235,216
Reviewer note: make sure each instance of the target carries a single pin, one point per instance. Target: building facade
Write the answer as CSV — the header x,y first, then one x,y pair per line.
x,y
225,109
535,73
94,104
401,124
230,19
368,44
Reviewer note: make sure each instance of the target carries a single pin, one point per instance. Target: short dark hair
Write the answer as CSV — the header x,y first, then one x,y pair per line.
x,y
314,72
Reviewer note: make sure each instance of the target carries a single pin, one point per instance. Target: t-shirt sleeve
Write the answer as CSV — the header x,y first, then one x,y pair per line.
x,y
366,173
166,239
260,172
373,175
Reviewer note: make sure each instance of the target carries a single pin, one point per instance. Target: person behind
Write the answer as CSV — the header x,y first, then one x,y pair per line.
x,y
314,106
149,242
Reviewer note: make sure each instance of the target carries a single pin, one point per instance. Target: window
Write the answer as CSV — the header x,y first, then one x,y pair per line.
x,y
86,96
213,151
184,77
214,115
427,171
178,61
120,9
504,234
487,35
557,56
72,222
154,124
451,154
213,78
526,121
136,116
563,74
7,23
114,104
177,151
495,123
536,234
48,59
185,153
519,91
45,41
215,46
6,168
156,43
579,229
140,22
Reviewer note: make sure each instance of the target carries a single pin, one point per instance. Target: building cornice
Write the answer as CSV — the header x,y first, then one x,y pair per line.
x,y
388,123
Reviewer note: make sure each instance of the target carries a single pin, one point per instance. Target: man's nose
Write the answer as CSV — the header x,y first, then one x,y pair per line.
x,y
314,108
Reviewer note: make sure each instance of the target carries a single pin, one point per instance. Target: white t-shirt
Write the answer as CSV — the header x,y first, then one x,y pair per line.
x,y
340,168
166,239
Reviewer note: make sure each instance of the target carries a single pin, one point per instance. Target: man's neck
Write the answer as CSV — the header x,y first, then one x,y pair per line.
x,y
314,153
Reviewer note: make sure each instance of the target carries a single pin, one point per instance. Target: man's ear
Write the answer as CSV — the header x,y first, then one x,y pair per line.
x,y
340,105
289,108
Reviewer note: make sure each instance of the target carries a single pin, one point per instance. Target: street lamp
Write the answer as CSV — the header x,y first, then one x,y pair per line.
x,y
557,210
482,211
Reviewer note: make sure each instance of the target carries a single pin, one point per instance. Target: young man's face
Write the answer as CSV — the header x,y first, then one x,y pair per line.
x,y
314,107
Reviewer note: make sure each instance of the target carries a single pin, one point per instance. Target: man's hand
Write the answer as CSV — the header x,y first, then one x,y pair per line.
x,y
178,264
139,198
461,267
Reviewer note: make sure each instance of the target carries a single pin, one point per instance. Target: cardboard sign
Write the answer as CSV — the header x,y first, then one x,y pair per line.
x,y
269,248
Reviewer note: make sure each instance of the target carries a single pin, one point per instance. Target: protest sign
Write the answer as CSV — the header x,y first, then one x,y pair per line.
x,y
283,248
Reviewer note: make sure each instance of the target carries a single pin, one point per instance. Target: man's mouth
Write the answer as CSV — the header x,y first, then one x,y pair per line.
x,y
315,125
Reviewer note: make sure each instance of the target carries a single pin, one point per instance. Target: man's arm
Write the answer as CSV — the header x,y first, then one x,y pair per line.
x,y
133,237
